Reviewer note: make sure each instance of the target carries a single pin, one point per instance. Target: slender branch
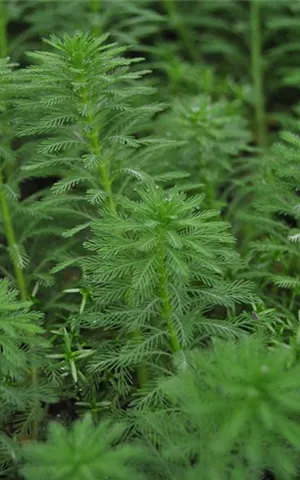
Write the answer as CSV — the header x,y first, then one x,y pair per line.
x,y
257,72
36,420
106,183
95,149
11,240
166,303
142,373
95,6
20,279
3,30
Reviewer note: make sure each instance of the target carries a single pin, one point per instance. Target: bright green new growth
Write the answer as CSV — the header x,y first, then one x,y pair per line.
x,y
87,104
87,452
234,412
158,266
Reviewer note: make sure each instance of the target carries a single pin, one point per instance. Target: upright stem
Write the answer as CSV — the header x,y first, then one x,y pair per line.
x,y
166,302
8,225
142,373
3,30
36,421
106,181
257,72
102,170
20,279
11,239
176,19
95,149
95,8
106,184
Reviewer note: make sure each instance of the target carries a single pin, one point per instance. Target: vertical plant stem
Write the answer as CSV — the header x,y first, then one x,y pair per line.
x,y
9,229
292,299
11,239
257,72
95,8
20,280
3,30
95,149
176,19
142,372
136,335
103,171
106,184
166,302
37,406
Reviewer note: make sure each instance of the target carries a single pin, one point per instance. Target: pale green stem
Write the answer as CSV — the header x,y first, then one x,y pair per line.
x,y
3,30
95,149
95,6
11,240
106,182
142,372
35,422
257,72
166,302
20,280
103,171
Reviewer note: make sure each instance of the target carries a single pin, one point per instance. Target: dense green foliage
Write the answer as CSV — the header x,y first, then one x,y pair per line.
x,y
149,240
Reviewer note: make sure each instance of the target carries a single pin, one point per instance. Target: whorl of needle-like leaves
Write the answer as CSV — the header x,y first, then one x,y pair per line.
x,y
155,267
86,452
213,134
84,100
22,348
234,412
274,255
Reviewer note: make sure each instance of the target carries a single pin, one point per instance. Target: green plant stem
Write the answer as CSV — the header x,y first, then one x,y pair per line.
x,y
257,73
11,239
106,184
95,149
176,19
35,421
166,303
3,30
20,279
142,372
292,300
95,8
210,193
